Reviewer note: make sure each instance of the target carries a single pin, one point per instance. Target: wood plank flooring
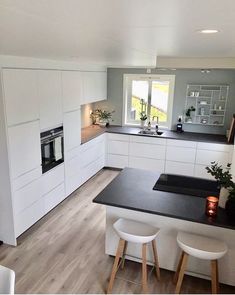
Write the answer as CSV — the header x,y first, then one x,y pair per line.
x,y
64,252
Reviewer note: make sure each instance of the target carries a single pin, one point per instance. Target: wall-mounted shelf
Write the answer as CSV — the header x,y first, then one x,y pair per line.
x,y
210,103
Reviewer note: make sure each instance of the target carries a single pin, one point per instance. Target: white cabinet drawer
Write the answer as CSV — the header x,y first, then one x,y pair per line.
x,y
200,171
181,143
72,130
28,217
73,174
116,136
117,161
26,196
54,197
92,154
147,150
214,147
24,148
26,178
147,164
205,157
147,139
180,154
52,178
92,168
179,168
118,147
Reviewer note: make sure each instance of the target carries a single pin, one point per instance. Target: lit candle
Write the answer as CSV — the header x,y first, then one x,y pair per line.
x,y
211,206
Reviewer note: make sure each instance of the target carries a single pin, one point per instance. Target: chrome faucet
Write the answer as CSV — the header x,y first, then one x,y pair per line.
x,y
157,122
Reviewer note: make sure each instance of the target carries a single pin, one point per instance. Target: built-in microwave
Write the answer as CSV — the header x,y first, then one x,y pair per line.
x,y
52,148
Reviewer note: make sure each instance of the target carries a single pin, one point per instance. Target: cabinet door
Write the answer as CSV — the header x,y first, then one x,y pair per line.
x,y
180,154
50,96
205,157
147,164
150,151
24,148
21,95
179,168
73,174
72,90
94,86
72,130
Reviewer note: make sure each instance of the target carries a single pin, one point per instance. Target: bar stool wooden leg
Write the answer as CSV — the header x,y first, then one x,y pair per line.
x,y
156,259
181,273
123,255
144,269
175,279
115,265
214,277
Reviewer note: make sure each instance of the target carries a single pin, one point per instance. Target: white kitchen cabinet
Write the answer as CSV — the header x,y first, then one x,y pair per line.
x,y
26,196
72,130
200,171
29,216
24,148
150,151
53,198
180,154
20,95
72,90
52,179
179,168
94,87
205,157
147,164
50,96
117,161
117,150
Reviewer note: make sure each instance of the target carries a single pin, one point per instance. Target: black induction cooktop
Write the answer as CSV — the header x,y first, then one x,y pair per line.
x,y
187,185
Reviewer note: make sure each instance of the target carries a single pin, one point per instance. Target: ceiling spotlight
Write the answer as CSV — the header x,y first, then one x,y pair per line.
x,y
208,31
205,71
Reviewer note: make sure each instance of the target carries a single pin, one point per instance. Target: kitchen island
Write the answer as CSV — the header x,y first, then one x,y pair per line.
x,y
131,195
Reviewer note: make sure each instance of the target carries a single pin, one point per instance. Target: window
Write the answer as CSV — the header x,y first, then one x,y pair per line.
x,y
148,94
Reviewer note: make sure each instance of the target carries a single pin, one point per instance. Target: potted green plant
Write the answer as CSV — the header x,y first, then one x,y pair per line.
x,y
230,204
143,118
188,114
224,179
104,117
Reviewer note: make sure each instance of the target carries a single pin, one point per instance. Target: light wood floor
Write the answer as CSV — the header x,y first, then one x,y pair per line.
x,y
64,252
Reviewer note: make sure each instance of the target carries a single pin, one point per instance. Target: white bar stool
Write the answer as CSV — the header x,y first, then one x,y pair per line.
x,y
135,232
7,280
203,248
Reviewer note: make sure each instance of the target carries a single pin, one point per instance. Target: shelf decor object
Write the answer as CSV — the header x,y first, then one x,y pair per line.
x,y
211,206
209,101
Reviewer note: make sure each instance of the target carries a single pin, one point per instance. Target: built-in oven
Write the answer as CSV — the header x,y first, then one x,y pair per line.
x,y
52,148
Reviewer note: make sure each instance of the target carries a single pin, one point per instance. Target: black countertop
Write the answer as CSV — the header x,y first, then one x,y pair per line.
x,y
133,189
93,131
192,136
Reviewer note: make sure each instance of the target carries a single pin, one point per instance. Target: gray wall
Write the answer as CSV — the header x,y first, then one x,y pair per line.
x,y
182,78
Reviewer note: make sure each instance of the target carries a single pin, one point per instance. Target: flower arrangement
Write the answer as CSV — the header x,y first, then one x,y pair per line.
x,y
104,116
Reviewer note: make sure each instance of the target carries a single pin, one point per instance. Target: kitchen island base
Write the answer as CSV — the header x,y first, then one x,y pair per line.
x,y
168,250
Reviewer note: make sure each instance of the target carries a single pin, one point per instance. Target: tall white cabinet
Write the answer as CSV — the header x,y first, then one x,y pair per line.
x,y
32,101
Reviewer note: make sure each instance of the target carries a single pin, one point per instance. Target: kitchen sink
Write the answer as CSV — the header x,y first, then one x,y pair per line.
x,y
150,132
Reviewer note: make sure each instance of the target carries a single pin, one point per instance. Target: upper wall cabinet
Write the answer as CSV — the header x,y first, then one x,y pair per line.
x,y
50,95
94,87
72,90
21,95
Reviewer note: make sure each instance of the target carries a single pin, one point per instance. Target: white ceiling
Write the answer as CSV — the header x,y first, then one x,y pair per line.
x,y
116,32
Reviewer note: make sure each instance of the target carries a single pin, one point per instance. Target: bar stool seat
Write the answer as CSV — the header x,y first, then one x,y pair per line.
x,y
203,248
134,232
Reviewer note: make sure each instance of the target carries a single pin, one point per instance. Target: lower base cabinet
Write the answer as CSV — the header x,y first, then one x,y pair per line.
x,y
179,168
54,197
147,164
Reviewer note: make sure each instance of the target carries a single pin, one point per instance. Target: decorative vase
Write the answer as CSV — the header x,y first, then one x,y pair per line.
x,y
103,123
223,197
230,210
142,122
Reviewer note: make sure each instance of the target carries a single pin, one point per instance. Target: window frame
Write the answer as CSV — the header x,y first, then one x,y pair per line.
x,y
127,78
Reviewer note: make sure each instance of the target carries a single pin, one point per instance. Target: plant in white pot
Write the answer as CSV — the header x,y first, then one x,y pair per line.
x,y
224,179
104,117
143,118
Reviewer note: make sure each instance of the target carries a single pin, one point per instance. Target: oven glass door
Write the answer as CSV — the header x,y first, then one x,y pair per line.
x,y
52,153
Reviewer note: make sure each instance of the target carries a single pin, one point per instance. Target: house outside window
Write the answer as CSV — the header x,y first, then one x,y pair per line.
x,y
149,94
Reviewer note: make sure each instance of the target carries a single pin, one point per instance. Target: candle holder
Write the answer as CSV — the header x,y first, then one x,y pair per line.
x,y
211,206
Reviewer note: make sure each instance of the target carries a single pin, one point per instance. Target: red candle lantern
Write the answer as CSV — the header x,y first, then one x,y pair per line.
x,y
211,206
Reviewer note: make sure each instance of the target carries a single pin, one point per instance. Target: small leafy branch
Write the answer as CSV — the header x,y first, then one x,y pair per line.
x,y
223,177
102,114
189,110
143,116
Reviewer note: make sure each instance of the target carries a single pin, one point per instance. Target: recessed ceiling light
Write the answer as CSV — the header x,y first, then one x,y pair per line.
x,y
208,31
